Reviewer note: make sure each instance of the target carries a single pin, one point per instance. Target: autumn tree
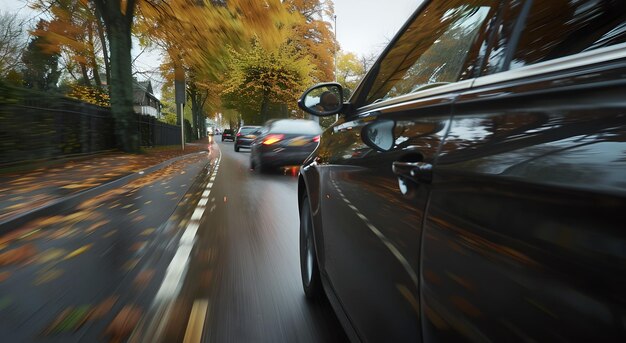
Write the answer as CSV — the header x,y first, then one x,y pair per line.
x,y
41,62
261,78
350,71
197,37
12,42
313,35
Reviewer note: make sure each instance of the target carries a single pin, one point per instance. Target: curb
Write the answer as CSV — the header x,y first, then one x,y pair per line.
x,y
9,224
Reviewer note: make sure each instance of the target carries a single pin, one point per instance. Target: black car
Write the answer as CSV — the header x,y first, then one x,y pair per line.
x,y
245,136
284,142
228,135
474,185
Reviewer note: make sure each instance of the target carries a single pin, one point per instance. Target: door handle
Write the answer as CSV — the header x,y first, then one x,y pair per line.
x,y
418,172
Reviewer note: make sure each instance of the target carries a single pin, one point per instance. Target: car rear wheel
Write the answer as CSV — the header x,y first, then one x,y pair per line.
x,y
236,148
311,281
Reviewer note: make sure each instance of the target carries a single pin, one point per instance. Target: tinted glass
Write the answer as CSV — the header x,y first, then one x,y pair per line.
x,y
228,131
248,130
432,50
499,41
558,28
305,127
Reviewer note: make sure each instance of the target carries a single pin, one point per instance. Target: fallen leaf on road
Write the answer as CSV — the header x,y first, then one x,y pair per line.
x,y
48,276
51,255
137,246
147,232
78,251
103,308
143,278
70,319
109,234
79,185
96,226
124,323
78,216
50,220
170,193
4,276
18,255
128,266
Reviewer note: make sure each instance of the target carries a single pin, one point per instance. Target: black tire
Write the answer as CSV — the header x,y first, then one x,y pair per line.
x,y
236,148
309,269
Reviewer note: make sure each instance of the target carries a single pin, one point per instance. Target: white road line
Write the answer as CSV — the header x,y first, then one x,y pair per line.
x,y
177,268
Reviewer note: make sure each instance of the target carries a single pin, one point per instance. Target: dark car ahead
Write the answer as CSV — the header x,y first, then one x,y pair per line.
x,y
245,135
284,142
474,185
227,134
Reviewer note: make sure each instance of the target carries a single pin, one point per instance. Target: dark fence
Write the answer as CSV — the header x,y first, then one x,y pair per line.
x,y
153,132
36,125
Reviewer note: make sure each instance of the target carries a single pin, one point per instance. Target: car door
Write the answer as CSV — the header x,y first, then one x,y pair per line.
x,y
524,236
371,222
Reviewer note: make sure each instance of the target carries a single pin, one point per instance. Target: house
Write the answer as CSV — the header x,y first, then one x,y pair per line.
x,y
144,101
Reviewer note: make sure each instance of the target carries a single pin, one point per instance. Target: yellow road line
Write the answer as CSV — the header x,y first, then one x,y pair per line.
x,y
195,326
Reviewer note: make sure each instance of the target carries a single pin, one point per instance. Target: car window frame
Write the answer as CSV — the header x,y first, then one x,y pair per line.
x,y
356,101
516,35
584,59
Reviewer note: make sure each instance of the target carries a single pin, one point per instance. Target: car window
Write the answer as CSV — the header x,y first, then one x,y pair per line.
x,y
247,130
499,42
307,127
432,50
559,28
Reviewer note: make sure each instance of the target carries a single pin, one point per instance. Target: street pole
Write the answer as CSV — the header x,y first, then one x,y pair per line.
x,y
182,125
335,46
179,90
335,29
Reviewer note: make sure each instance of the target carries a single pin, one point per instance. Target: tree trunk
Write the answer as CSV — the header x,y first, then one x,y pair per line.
x,y
264,106
122,85
83,70
92,58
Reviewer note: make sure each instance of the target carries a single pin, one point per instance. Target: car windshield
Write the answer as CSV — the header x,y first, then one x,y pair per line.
x,y
306,127
228,131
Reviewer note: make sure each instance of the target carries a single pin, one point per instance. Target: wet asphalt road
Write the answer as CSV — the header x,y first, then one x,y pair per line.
x,y
97,272
245,269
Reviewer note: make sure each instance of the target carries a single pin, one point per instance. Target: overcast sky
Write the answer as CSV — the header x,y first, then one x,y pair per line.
x,y
366,26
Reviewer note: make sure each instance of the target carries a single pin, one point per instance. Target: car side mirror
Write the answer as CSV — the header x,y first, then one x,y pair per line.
x,y
379,135
324,99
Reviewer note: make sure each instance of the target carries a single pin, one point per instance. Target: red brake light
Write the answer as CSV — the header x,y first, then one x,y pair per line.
x,y
316,139
238,134
271,139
